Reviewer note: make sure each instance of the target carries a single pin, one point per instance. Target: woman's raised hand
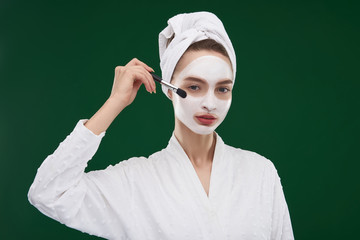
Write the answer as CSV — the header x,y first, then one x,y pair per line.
x,y
128,80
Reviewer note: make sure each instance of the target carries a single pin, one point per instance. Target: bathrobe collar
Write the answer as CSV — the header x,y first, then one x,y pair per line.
x,y
178,153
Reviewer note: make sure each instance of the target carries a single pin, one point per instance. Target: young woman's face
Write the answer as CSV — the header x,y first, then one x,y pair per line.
x,y
207,78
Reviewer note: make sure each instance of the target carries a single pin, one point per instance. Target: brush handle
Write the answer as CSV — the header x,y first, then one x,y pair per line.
x,y
156,77
159,79
176,90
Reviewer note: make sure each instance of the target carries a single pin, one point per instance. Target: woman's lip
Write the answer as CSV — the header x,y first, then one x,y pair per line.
x,y
206,119
206,116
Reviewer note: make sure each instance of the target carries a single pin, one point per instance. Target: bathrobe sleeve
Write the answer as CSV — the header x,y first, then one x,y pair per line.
x,y
281,223
84,201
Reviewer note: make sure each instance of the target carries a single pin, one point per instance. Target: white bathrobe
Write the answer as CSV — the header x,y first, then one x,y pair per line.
x,y
161,197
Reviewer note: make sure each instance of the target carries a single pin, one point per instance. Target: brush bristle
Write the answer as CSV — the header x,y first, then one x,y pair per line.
x,y
181,93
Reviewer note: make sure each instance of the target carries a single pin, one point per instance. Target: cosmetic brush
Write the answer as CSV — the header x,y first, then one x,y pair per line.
x,y
176,90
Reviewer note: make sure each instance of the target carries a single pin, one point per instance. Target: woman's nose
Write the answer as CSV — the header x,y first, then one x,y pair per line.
x,y
208,103
209,109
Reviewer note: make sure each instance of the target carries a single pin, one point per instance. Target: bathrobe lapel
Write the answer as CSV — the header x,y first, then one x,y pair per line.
x,y
205,205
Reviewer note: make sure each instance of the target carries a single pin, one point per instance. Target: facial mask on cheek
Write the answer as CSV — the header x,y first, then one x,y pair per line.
x,y
212,69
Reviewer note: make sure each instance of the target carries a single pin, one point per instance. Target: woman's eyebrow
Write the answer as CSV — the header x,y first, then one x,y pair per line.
x,y
194,79
228,81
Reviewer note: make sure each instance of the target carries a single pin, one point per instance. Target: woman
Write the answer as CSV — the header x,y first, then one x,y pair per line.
x,y
197,187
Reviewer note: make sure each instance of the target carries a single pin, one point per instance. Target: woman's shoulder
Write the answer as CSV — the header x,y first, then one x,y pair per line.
x,y
138,162
247,157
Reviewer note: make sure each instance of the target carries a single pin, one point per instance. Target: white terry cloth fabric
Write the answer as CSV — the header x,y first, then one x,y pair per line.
x,y
161,197
188,28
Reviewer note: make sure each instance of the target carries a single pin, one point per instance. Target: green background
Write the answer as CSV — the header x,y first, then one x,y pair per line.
x,y
295,101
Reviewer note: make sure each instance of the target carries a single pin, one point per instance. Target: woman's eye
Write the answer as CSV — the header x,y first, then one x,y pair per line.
x,y
194,88
223,90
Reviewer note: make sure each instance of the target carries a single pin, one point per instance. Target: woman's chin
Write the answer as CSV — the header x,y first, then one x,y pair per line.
x,y
202,129
195,128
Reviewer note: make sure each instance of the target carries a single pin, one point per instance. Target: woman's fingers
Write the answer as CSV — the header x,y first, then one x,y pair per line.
x,y
137,85
144,76
132,73
138,63
128,80
151,80
147,76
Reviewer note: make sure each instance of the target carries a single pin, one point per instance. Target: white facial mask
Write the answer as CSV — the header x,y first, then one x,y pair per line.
x,y
212,69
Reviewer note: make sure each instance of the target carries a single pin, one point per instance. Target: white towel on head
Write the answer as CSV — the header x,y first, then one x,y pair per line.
x,y
188,28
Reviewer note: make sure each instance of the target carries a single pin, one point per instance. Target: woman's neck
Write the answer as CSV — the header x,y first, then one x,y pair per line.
x,y
199,148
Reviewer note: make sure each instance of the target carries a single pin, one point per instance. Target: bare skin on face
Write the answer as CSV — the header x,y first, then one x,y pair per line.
x,y
198,147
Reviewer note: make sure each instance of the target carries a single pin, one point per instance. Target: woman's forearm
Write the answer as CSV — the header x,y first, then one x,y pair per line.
x,y
104,116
